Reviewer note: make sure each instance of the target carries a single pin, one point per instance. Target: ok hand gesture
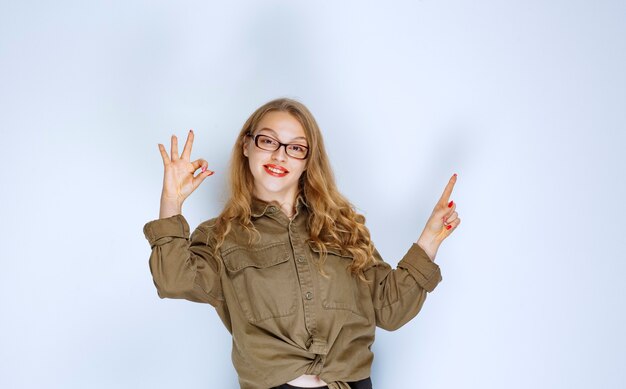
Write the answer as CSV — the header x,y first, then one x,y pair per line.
x,y
442,222
178,180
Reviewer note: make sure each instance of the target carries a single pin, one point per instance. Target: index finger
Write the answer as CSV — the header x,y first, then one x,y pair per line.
x,y
448,191
187,149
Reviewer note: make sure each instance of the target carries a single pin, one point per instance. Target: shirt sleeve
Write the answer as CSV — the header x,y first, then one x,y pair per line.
x,y
398,294
183,267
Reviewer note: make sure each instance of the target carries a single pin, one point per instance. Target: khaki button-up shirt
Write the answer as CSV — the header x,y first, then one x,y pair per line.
x,y
286,319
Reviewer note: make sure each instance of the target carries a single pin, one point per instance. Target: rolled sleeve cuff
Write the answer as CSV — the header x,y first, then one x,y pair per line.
x,y
421,267
173,227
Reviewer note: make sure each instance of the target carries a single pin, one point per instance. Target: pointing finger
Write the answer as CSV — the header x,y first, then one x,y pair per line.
x,y
445,197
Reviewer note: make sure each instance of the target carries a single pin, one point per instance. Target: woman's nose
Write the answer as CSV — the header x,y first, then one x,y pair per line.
x,y
279,154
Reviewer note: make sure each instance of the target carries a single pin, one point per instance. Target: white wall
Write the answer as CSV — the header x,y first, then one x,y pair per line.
x,y
525,100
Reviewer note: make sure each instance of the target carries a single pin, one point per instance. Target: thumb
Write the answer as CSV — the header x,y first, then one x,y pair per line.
x,y
197,180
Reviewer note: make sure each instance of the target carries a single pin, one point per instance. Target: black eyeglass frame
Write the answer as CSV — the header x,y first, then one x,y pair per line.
x,y
256,143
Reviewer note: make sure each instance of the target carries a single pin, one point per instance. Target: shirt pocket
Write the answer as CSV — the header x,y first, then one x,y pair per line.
x,y
264,280
338,289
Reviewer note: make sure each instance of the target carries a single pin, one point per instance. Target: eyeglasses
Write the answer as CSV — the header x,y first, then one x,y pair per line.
x,y
268,143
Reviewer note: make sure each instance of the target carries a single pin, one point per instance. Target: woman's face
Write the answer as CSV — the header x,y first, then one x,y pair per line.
x,y
275,173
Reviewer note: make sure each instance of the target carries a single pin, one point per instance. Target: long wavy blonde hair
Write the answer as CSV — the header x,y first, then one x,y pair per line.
x,y
333,222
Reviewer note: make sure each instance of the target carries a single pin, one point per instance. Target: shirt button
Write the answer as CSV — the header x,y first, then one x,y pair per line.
x,y
300,259
308,295
272,209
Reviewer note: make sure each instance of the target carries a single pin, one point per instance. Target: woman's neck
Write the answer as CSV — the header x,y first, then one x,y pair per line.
x,y
288,209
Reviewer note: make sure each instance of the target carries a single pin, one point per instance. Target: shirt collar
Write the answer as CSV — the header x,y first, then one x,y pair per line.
x,y
261,207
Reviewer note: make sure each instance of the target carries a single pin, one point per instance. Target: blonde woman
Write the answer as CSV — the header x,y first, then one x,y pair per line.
x,y
288,264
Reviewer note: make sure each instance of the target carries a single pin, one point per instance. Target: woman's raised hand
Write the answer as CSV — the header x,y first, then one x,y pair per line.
x,y
442,222
178,179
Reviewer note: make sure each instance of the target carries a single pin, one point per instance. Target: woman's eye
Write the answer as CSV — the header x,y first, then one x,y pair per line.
x,y
267,141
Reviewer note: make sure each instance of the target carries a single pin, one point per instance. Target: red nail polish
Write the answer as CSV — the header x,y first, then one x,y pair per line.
x,y
450,204
449,226
203,169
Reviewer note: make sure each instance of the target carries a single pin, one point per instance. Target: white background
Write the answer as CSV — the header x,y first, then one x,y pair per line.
x,y
525,100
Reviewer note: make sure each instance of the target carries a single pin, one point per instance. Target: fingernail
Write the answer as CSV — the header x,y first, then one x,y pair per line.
x,y
191,131
448,226
450,204
454,174
210,174
203,169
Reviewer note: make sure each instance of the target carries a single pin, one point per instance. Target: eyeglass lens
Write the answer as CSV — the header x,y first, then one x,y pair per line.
x,y
267,143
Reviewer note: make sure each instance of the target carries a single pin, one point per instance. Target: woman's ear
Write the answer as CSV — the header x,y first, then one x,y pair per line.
x,y
245,146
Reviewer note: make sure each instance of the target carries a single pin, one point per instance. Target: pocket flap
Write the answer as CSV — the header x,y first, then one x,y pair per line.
x,y
334,251
238,257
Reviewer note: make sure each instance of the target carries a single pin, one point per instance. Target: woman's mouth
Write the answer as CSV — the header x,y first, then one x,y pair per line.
x,y
276,171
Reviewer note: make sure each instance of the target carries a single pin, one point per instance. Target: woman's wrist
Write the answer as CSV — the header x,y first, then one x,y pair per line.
x,y
170,208
429,249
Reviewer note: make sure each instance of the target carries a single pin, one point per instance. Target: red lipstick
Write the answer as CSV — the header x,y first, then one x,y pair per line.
x,y
275,170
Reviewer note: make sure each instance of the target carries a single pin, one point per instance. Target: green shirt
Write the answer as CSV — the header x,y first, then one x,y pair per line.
x,y
286,319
